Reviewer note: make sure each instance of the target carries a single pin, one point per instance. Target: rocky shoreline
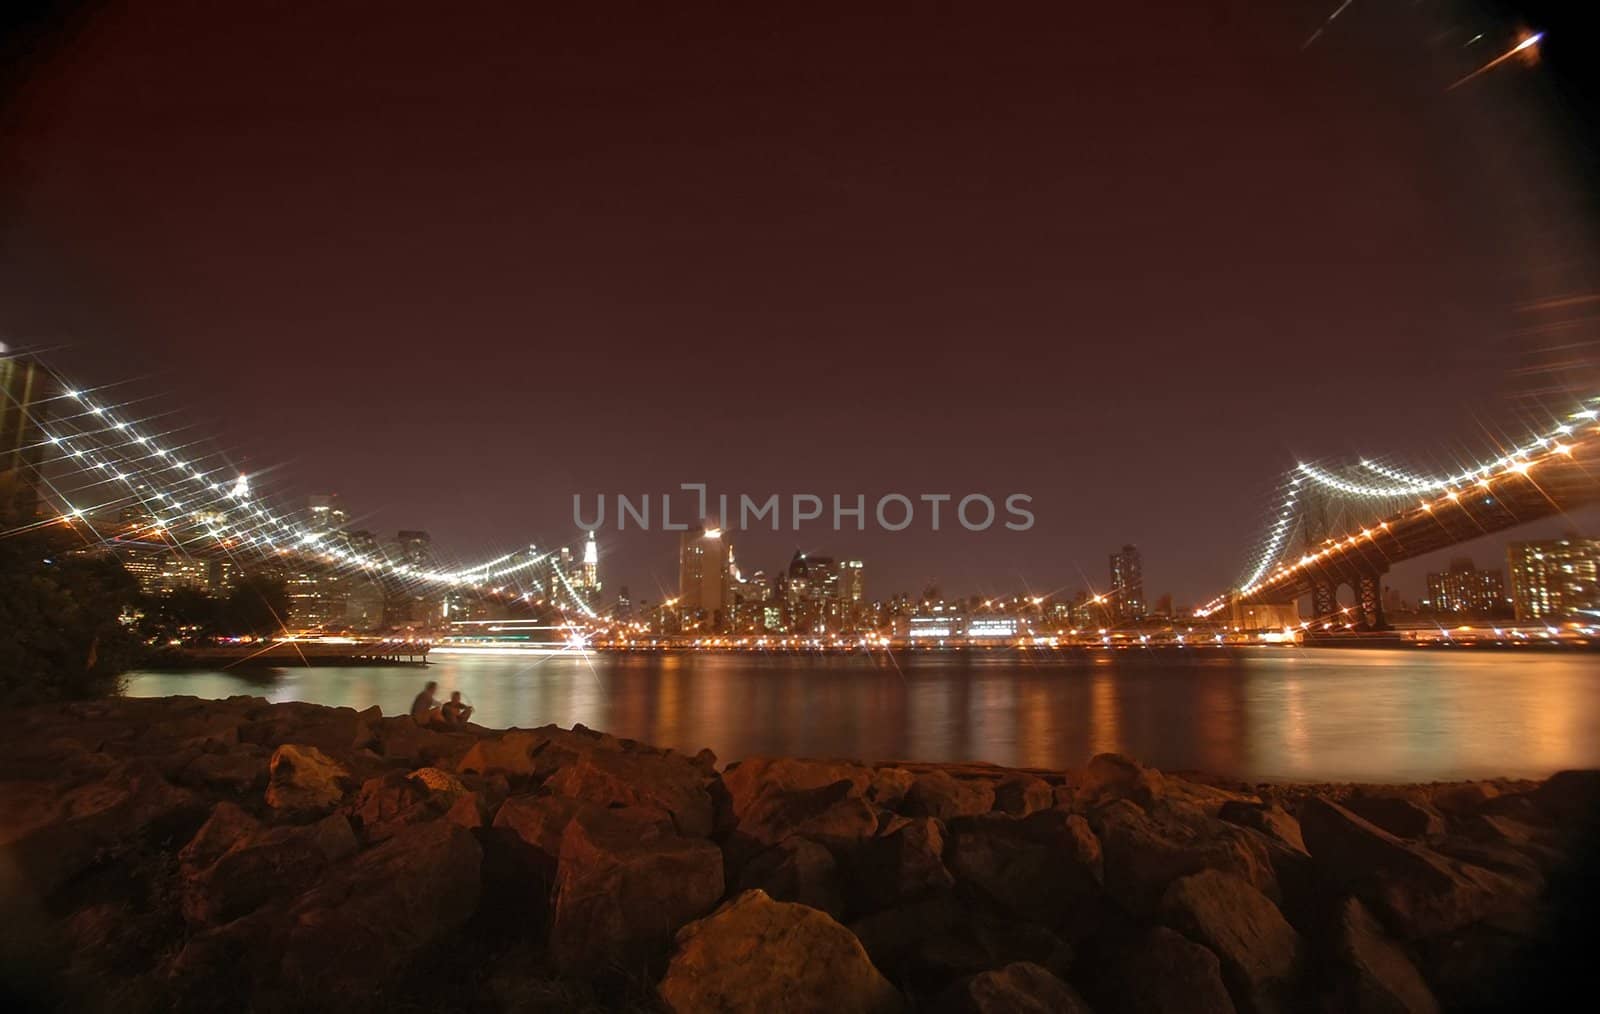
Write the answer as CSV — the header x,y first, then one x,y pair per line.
x,y
179,854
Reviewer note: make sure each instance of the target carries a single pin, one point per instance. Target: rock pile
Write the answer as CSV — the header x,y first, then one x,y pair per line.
x,y
178,854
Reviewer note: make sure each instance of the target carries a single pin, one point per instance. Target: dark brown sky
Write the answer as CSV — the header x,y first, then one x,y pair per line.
x,y
1131,260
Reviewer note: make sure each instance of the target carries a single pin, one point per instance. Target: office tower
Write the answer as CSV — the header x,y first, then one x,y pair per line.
x,y
1465,590
326,513
1555,579
1127,585
704,568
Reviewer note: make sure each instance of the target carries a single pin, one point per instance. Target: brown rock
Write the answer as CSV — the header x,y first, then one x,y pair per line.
x,y
756,778
1374,975
1404,818
756,954
510,753
936,794
367,919
1112,776
1020,794
796,870
1160,973
1045,868
1259,951
889,786
619,896
1416,891
1270,820
1570,795
240,770
1144,852
1019,988
226,826
277,862
1464,798
669,783
403,739
834,814
304,779
900,866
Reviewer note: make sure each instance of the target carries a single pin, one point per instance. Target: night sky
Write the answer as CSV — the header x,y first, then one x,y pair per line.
x,y
1133,260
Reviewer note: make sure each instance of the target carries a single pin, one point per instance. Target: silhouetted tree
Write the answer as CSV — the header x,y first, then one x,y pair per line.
x,y
61,630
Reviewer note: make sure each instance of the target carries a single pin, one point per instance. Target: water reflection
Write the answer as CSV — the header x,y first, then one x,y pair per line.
x,y
1268,714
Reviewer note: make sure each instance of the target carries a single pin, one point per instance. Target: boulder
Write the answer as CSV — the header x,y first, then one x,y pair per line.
x,y
402,739
937,794
900,866
796,870
669,782
1144,852
1020,794
1271,820
619,896
834,815
227,825
1159,972
367,919
888,787
304,779
511,753
1019,988
1111,776
47,836
1570,795
1259,951
1414,890
1401,817
239,770
1463,798
931,943
756,954
1373,974
271,863
1044,868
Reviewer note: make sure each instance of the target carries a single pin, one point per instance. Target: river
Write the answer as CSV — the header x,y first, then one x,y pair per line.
x,y
1268,714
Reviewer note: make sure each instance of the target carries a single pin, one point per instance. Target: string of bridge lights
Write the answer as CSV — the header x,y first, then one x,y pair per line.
x,y
1403,485
229,511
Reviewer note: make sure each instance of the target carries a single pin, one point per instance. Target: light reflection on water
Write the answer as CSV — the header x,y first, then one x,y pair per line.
x,y
1271,714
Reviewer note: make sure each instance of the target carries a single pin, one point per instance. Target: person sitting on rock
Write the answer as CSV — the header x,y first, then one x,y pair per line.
x,y
424,711
454,712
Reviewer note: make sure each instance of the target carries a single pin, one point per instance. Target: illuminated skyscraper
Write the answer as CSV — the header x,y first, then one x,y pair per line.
x,y
1127,585
1555,579
326,514
704,565
25,388
1466,590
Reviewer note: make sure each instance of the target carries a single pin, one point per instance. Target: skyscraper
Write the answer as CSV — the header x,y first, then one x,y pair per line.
x,y
327,515
703,572
1466,590
25,388
1127,585
1555,579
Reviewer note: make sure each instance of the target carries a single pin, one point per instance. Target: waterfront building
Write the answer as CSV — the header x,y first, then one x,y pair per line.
x,y
1464,590
1127,585
811,594
326,514
25,391
935,625
705,567
1555,579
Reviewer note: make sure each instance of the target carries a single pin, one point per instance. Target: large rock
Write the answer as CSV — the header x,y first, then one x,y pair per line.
x,y
1570,795
797,870
374,916
1111,776
398,798
1270,820
1020,794
239,770
402,739
756,954
1415,891
1259,951
931,943
511,753
1373,975
889,786
1044,868
268,864
620,895
1401,817
1019,988
1144,852
47,836
900,866
937,794
1160,972
304,779
770,800
668,782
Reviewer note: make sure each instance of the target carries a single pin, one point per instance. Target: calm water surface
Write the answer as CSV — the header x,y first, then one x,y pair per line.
x,y
1305,714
